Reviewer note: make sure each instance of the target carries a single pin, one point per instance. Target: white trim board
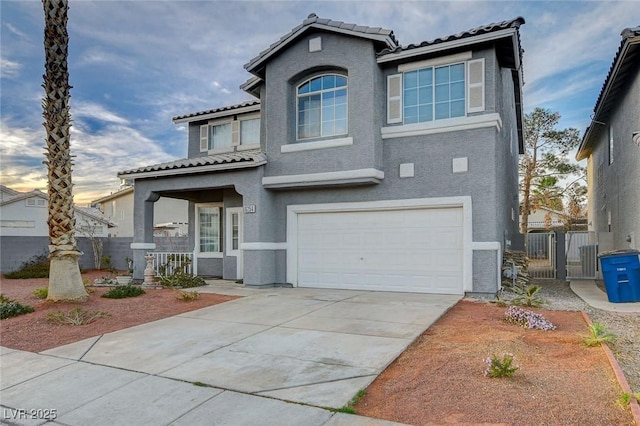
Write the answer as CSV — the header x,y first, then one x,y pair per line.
x,y
263,246
313,179
308,146
416,203
442,126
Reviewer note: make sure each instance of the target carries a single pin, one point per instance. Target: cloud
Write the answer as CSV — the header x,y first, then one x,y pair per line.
x,y
9,69
83,109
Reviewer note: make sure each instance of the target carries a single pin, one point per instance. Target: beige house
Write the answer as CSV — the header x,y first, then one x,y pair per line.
x,y
170,214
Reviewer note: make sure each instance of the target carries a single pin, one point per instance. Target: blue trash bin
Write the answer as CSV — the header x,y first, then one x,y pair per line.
x,y
621,273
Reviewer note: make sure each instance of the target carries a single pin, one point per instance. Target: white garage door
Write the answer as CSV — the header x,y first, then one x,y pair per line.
x,y
418,250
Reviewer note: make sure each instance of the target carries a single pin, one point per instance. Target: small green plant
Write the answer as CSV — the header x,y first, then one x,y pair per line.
x,y
504,367
10,308
348,409
202,385
75,317
122,291
527,296
187,296
499,301
37,267
598,334
625,399
41,292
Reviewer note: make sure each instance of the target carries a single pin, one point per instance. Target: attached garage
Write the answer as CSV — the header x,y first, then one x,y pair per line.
x,y
409,249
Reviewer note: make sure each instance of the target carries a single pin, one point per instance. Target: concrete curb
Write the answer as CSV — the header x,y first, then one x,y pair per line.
x,y
617,370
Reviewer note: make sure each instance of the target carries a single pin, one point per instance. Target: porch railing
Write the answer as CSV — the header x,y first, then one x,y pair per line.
x,y
166,262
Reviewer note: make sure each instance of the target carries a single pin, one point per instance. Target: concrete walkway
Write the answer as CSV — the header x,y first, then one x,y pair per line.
x,y
278,356
588,291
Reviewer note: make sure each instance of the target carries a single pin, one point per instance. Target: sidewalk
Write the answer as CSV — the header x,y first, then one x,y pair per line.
x,y
588,291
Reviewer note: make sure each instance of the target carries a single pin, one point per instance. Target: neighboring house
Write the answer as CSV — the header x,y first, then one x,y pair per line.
x,y
543,219
170,215
24,214
611,145
363,164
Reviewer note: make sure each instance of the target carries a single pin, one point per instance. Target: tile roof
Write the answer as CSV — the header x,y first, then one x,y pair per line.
x,y
622,67
231,160
229,108
313,21
484,29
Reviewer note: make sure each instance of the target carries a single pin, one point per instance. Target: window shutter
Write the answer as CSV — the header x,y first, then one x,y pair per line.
x,y
475,85
235,133
394,98
204,138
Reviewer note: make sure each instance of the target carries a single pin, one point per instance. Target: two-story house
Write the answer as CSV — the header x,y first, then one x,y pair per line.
x,y
363,164
611,145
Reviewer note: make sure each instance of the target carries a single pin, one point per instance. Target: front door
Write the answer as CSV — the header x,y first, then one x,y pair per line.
x,y
234,237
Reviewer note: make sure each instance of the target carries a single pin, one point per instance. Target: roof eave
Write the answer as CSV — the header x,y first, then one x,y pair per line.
x,y
453,44
586,145
219,114
194,169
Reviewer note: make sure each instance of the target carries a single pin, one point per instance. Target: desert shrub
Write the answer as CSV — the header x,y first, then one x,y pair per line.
x,y
75,317
182,281
527,296
122,291
527,319
174,273
37,267
504,367
187,296
10,308
41,292
598,334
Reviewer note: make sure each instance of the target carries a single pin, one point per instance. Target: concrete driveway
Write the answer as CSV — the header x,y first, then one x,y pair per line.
x,y
277,356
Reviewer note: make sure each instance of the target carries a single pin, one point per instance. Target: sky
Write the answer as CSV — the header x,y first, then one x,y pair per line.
x,y
136,64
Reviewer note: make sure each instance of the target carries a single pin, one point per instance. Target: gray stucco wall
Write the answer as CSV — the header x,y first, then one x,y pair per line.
x,y
617,190
352,57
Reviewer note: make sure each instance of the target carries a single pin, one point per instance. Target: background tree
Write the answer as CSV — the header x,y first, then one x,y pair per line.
x,y
545,164
65,281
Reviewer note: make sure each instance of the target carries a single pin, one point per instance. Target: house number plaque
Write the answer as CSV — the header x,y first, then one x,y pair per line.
x,y
250,208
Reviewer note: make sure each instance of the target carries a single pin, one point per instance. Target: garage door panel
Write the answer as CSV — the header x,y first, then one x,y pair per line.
x,y
416,250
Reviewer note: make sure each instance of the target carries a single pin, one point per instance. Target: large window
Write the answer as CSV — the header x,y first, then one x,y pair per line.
x,y
322,107
208,229
434,93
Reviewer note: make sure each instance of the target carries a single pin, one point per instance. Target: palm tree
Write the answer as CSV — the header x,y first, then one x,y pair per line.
x,y
65,281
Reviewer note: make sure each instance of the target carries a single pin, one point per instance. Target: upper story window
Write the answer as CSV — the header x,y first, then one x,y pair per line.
x,y
610,145
322,107
36,202
436,89
434,93
223,135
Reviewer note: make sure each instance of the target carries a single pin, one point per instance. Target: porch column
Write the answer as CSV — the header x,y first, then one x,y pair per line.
x,y
142,230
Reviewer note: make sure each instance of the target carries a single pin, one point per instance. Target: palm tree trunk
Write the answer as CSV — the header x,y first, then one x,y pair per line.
x,y
65,281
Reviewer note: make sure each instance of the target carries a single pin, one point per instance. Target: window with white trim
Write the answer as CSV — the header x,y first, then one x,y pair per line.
x,y
430,93
224,135
208,229
610,144
36,202
322,107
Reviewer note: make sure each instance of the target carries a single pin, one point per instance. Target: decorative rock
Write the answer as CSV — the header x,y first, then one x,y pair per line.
x,y
515,260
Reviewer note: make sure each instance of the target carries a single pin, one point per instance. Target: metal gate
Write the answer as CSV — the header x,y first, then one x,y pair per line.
x,y
581,251
541,251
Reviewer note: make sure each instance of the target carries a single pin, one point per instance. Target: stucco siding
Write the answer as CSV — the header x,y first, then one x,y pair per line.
x,y
616,186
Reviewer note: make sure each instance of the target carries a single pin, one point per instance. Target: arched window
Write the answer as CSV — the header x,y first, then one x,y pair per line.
x,y
322,107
